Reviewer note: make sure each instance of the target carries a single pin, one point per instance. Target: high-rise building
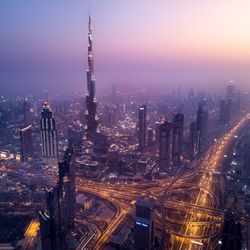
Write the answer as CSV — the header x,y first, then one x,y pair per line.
x,y
225,112
150,136
67,184
232,101
91,103
57,220
26,111
48,134
47,231
193,140
177,144
231,90
49,223
202,123
157,131
142,127
164,146
222,113
144,224
26,142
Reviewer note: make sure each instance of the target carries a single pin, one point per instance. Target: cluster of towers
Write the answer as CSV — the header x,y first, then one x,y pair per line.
x,y
170,151
47,123
170,148
229,106
57,220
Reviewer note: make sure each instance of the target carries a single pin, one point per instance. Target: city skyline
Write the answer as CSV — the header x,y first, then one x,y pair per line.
x,y
153,161
138,45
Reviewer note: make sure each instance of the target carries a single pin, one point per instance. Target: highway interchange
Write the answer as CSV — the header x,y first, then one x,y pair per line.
x,y
189,213
188,207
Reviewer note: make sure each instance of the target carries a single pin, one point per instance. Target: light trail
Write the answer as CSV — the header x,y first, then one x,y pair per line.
x,y
191,231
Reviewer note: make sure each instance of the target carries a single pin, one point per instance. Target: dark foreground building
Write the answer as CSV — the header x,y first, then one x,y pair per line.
x,y
144,224
177,144
164,146
57,220
26,142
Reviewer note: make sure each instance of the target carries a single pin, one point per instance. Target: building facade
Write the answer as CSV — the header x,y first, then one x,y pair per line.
x,y
48,134
202,126
144,224
164,146
91,103
142,127
177,144
57,220
26,142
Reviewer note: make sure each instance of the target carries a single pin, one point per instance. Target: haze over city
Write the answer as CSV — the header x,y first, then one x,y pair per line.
x,y
138,44
124,125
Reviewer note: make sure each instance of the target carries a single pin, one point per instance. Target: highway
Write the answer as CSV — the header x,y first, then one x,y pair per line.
x,y
30,237
188,210
188,207
197,223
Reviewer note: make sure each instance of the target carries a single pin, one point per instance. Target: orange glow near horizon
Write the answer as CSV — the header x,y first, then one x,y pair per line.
x,y
218,30
135,43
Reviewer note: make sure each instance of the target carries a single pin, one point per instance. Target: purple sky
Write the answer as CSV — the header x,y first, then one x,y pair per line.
x,y
139,43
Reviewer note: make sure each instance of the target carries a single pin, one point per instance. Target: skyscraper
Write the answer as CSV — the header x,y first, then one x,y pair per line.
x,y
26,142
222,114
91,103
142,126
157,131
47,231
57,220
144,223
150,136
225,112
67,184
48,134
49,226
232,102
202,123
193,140
177,138
164,146
231,90
26,111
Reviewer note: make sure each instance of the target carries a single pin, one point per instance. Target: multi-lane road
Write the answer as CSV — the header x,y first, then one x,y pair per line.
x,y
188,209
188,206
199,224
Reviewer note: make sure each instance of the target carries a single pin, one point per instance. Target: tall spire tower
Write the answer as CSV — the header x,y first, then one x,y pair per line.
x,y
91,103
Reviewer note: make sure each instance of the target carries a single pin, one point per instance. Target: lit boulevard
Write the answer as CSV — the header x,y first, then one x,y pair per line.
x,y
189,222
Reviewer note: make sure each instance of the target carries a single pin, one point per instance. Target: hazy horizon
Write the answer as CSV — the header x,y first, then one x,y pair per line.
x,y
137,44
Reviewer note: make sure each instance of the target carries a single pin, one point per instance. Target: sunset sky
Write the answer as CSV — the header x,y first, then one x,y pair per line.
x,y
143,43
